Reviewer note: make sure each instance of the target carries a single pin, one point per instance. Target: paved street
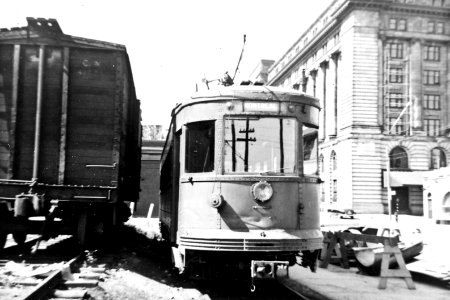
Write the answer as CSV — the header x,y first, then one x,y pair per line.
x,y
335,282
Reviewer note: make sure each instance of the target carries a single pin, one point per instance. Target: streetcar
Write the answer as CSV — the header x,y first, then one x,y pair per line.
x,y
239,183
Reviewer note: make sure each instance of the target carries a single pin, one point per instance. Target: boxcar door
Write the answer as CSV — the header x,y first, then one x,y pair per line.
x,y
93,118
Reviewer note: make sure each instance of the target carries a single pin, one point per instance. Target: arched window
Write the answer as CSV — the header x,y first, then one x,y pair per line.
x,y
446,203
438,159
333,161
398,158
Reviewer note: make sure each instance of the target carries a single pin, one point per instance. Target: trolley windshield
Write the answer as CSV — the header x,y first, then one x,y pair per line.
x,y
260,145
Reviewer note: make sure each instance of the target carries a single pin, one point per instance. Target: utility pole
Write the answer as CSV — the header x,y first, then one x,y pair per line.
x,y
247,139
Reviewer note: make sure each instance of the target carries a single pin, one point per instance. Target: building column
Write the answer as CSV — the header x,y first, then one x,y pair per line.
x,y
334,95
415,84
313,74
304,81
446,97
323,95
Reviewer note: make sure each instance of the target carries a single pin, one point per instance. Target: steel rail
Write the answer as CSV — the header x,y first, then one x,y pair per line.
x,y
42,289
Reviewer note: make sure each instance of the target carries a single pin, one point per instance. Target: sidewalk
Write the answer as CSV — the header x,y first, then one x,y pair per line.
x,y
345,284
339,283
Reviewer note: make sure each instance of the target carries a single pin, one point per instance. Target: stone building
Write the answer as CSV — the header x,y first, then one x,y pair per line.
x,y
436,195
261,71
152,146
381,70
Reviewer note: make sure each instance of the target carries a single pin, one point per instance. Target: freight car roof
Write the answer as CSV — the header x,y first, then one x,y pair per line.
x,y
48,32
252,93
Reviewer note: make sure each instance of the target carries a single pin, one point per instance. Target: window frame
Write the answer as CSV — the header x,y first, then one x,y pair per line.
x,y
396,100
431,77
396,50
402,160
210,151
295,172
434,100
441,160
396,75
432,127
432,53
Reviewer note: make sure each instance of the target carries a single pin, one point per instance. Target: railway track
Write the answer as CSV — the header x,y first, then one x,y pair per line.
x,y
48,272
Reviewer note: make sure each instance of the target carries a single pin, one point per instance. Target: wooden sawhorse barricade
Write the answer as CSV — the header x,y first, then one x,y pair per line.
x,y
332,240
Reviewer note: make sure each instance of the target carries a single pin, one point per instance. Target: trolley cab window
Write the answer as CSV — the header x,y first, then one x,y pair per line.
x,y
310,158
199,147
260,145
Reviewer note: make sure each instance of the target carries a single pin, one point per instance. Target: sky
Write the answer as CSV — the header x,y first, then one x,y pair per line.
x,y
174,44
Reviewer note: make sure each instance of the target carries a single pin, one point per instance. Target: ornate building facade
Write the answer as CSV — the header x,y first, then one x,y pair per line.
x,y
381,70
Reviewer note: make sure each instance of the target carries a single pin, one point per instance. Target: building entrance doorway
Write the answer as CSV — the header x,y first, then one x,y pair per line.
x,y
400,200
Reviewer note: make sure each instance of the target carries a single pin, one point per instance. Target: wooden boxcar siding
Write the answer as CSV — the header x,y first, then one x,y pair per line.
x,y
89,131
365,69
92,117
6,82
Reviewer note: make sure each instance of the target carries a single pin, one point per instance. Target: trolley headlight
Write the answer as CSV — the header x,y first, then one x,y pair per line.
x,y
262,191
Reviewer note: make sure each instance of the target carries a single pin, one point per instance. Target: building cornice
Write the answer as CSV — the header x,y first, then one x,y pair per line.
x,y
339,10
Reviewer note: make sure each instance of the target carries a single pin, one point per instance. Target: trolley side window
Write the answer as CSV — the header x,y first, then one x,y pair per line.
x,y
310,158
199,147
260,145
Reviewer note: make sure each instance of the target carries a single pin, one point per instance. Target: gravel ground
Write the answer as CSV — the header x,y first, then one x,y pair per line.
x,y
141,268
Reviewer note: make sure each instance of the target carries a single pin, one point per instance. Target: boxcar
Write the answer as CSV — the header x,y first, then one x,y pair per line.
x,y
70,133
239,183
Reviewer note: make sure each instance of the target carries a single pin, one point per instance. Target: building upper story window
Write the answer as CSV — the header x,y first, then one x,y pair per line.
x,y
431,101
399,127
398,158
435,27
396,75
438,159
431,77
396,100
324,48
395,50
439,28
336,38
333,161
432,127
397,24
438,3
432,53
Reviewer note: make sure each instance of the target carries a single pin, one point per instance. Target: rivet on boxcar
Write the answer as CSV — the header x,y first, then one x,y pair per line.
x,y
215,200
300,208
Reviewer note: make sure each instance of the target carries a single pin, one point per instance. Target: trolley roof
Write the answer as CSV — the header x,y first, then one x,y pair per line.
x,y
245,92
